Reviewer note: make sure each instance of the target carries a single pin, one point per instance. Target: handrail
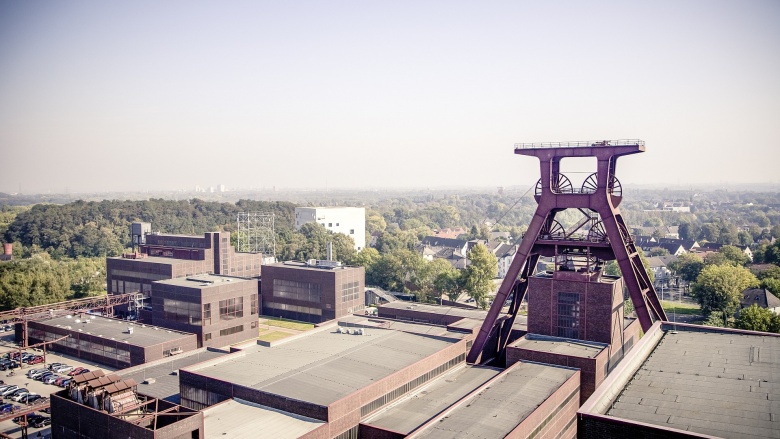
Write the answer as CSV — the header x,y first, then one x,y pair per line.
x,y
581,144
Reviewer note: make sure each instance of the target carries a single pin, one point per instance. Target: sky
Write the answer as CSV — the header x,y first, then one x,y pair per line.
x,y
153,96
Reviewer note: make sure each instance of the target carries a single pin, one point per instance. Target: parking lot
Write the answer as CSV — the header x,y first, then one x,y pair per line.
x,y
20,378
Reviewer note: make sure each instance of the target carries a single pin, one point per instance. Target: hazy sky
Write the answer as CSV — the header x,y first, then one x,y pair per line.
x,y
161,95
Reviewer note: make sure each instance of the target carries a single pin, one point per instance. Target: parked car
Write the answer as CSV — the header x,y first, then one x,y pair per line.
x,y
52,366
3,387
8,328
64,368
64,383
21,396
30,418
42,421
8,364
35,360
75,371
31,398
38,373
9,390
58,381
8,408
32,372
47,410
44,375
50,379
16,392
82,371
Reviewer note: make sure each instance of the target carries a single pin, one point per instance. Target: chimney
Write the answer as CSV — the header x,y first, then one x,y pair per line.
x,y
329,251
8,249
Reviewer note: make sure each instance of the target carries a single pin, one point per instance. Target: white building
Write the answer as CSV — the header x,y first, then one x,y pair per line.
x,y
350,221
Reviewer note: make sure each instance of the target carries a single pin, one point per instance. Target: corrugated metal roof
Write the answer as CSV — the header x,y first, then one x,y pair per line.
x,y
501,407
718,383
323,367
421,405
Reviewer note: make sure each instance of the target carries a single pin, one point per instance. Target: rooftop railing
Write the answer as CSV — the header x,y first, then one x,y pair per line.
x,y
580,144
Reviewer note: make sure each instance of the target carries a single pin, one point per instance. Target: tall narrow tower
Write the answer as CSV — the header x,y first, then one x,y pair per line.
x,y
580,251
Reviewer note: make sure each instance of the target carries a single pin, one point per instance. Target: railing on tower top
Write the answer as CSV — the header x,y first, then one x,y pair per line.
x,y
581,144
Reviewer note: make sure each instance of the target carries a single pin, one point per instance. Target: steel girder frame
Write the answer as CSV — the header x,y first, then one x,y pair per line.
x,y
550,201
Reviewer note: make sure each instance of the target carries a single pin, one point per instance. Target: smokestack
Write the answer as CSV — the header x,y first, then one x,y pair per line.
x,y
8,249
330,251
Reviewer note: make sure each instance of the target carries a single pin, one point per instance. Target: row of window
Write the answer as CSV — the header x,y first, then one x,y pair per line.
x,y
294,308
291,289
350,291
402,390
229,331
121,287
110,350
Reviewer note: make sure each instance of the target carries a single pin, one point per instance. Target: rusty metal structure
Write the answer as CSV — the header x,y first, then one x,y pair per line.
x,y
600,236
104,304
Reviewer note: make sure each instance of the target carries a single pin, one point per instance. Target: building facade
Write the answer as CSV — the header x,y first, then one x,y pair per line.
x,y
350,221
219,310
312,292
162,257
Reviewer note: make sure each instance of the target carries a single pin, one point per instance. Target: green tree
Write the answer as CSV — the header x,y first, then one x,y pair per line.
x,y
718,288
479,274
658,251
688,266
446,279
755,318
728,254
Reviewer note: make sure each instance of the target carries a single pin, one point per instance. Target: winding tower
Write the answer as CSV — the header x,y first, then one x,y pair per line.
x,y
579,251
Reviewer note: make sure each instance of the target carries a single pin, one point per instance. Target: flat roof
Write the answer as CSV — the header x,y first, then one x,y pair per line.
x,y
236,418
443,310
424,403
324,366
720,383
166,381
499,408
157,260
297,265
114,329
400,325
204,281
560,346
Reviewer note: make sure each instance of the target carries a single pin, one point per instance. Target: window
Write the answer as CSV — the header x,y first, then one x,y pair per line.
x,y
568,315
231,308
330,224
207,336
290,289
176,308
233,330
253,305
351,231
253,325
206,314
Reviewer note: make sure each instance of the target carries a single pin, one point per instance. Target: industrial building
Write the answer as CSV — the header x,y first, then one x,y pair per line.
x,y
689,381
315,291
112,342
350,221
96,405
162,257
219,310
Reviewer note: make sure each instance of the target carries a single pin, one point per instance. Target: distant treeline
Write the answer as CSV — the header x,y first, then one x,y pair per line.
x,y
92,229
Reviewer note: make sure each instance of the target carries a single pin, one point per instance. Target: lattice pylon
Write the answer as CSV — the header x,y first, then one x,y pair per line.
x,y
600,193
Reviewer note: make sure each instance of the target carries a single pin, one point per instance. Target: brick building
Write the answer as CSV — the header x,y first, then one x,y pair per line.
x,y
161,257
112,342
312,292
219,310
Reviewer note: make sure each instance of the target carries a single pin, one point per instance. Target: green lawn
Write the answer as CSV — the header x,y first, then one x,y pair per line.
x,y
289,324
680,308
273,336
